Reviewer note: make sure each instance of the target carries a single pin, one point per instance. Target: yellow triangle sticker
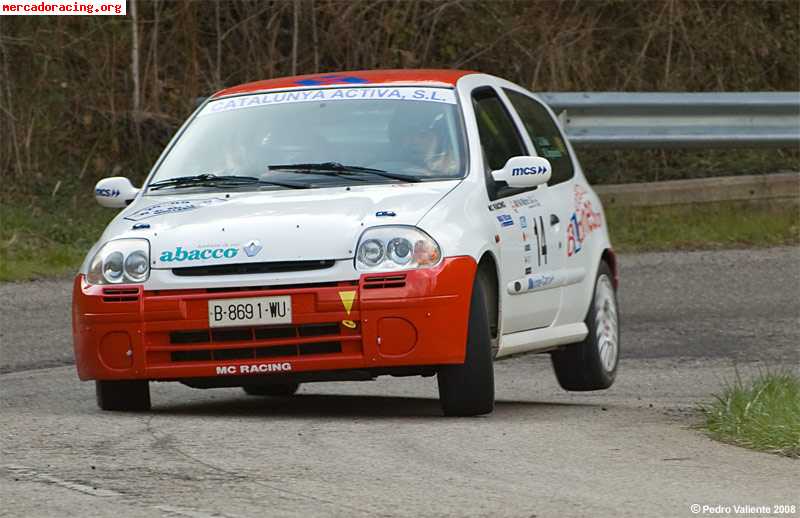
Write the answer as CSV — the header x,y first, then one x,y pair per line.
x,y
347,300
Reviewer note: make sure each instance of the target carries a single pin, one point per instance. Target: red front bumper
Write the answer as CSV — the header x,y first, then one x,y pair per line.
x,y
413,318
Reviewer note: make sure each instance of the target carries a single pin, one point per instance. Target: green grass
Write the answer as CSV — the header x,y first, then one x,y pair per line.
x,y
39,240
47,237
763,414
703,227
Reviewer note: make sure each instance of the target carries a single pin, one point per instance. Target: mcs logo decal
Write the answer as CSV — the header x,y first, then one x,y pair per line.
x,y
523,171
107,193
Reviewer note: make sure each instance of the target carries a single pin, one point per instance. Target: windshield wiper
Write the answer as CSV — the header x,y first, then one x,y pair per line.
x,y
336,169
212,180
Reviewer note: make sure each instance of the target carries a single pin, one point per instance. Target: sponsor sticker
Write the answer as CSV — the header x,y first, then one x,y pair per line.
x,y
107,193
582,223
524,171
540,281
526,201
347,298
436,95
179,254
257,368
172,207
505,220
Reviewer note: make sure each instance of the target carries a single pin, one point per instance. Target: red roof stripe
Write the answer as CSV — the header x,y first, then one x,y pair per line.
x,y
355,78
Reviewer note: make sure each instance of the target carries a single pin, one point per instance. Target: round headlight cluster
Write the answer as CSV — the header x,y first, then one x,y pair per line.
x,y
120,261
137,266
112,267
371,252
400,250
396,248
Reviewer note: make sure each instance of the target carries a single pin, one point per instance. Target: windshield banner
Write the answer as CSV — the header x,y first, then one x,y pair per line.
x,y
437,95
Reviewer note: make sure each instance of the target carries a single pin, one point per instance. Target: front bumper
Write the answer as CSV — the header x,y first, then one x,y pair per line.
x,y
410,318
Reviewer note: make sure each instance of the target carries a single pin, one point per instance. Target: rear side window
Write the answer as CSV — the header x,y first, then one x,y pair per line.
x,y
544,135
499,137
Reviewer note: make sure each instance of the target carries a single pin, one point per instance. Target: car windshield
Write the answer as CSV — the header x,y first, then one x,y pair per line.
x,y
318,138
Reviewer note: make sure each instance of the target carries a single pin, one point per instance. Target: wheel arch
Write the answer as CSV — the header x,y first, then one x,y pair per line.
x,y
489,272
610,258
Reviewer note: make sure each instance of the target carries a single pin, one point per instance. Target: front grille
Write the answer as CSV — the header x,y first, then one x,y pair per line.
x,y
243,334
385,281
253,268
250,353
221,337
120,294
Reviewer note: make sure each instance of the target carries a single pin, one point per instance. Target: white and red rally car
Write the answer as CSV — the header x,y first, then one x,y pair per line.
x,y
345,226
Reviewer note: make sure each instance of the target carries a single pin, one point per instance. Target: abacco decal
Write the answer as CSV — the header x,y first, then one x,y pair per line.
x,y
168,256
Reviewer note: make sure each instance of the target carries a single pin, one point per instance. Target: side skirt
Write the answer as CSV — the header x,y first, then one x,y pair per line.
x,y
541,340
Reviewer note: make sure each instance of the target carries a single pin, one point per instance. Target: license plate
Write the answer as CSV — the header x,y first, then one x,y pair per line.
x,y
250,311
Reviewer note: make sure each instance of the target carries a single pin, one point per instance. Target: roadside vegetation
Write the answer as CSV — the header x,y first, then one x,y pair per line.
x,y
707,226
50,239
47,240
762,414
80,101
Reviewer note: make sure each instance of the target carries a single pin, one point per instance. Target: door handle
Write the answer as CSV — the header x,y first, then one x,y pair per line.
x,y
554,220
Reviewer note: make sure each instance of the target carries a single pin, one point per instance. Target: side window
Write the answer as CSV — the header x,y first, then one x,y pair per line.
x,y
544,135
499,137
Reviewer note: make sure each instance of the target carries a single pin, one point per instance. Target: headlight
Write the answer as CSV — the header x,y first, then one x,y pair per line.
x,y
120,261
396,248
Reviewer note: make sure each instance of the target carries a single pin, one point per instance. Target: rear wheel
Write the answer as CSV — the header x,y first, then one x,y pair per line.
x,y
468,389
592,363
124,395
277,390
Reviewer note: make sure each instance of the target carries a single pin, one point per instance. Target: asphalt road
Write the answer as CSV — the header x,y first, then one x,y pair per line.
x,y
690,322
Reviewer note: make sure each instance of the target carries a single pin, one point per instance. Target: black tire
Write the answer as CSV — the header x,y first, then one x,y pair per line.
x,y
468,389
127,395
579,367
276,390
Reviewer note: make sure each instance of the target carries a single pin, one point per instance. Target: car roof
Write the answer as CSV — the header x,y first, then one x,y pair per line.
x,y
432,77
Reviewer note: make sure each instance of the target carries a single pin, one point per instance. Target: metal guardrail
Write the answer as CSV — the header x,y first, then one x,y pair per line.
x,y
679,120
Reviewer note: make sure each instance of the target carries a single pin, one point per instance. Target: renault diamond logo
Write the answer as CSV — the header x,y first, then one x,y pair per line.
x,y
252,248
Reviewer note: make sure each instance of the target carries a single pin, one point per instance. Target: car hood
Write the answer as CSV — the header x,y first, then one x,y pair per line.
x,y
210,228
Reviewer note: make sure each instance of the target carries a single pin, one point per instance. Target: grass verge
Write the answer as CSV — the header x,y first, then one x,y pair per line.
x,y
47,239
38,240
703,226
762,415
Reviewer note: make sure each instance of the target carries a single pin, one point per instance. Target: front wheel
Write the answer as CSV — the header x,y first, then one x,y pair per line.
x,y
123,395
468,389
592,363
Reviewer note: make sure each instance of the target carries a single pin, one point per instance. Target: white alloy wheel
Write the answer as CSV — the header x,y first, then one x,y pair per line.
x,y
607,323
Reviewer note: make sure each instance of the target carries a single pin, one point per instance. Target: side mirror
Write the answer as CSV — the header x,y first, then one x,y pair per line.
x,y
115,192
524,171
